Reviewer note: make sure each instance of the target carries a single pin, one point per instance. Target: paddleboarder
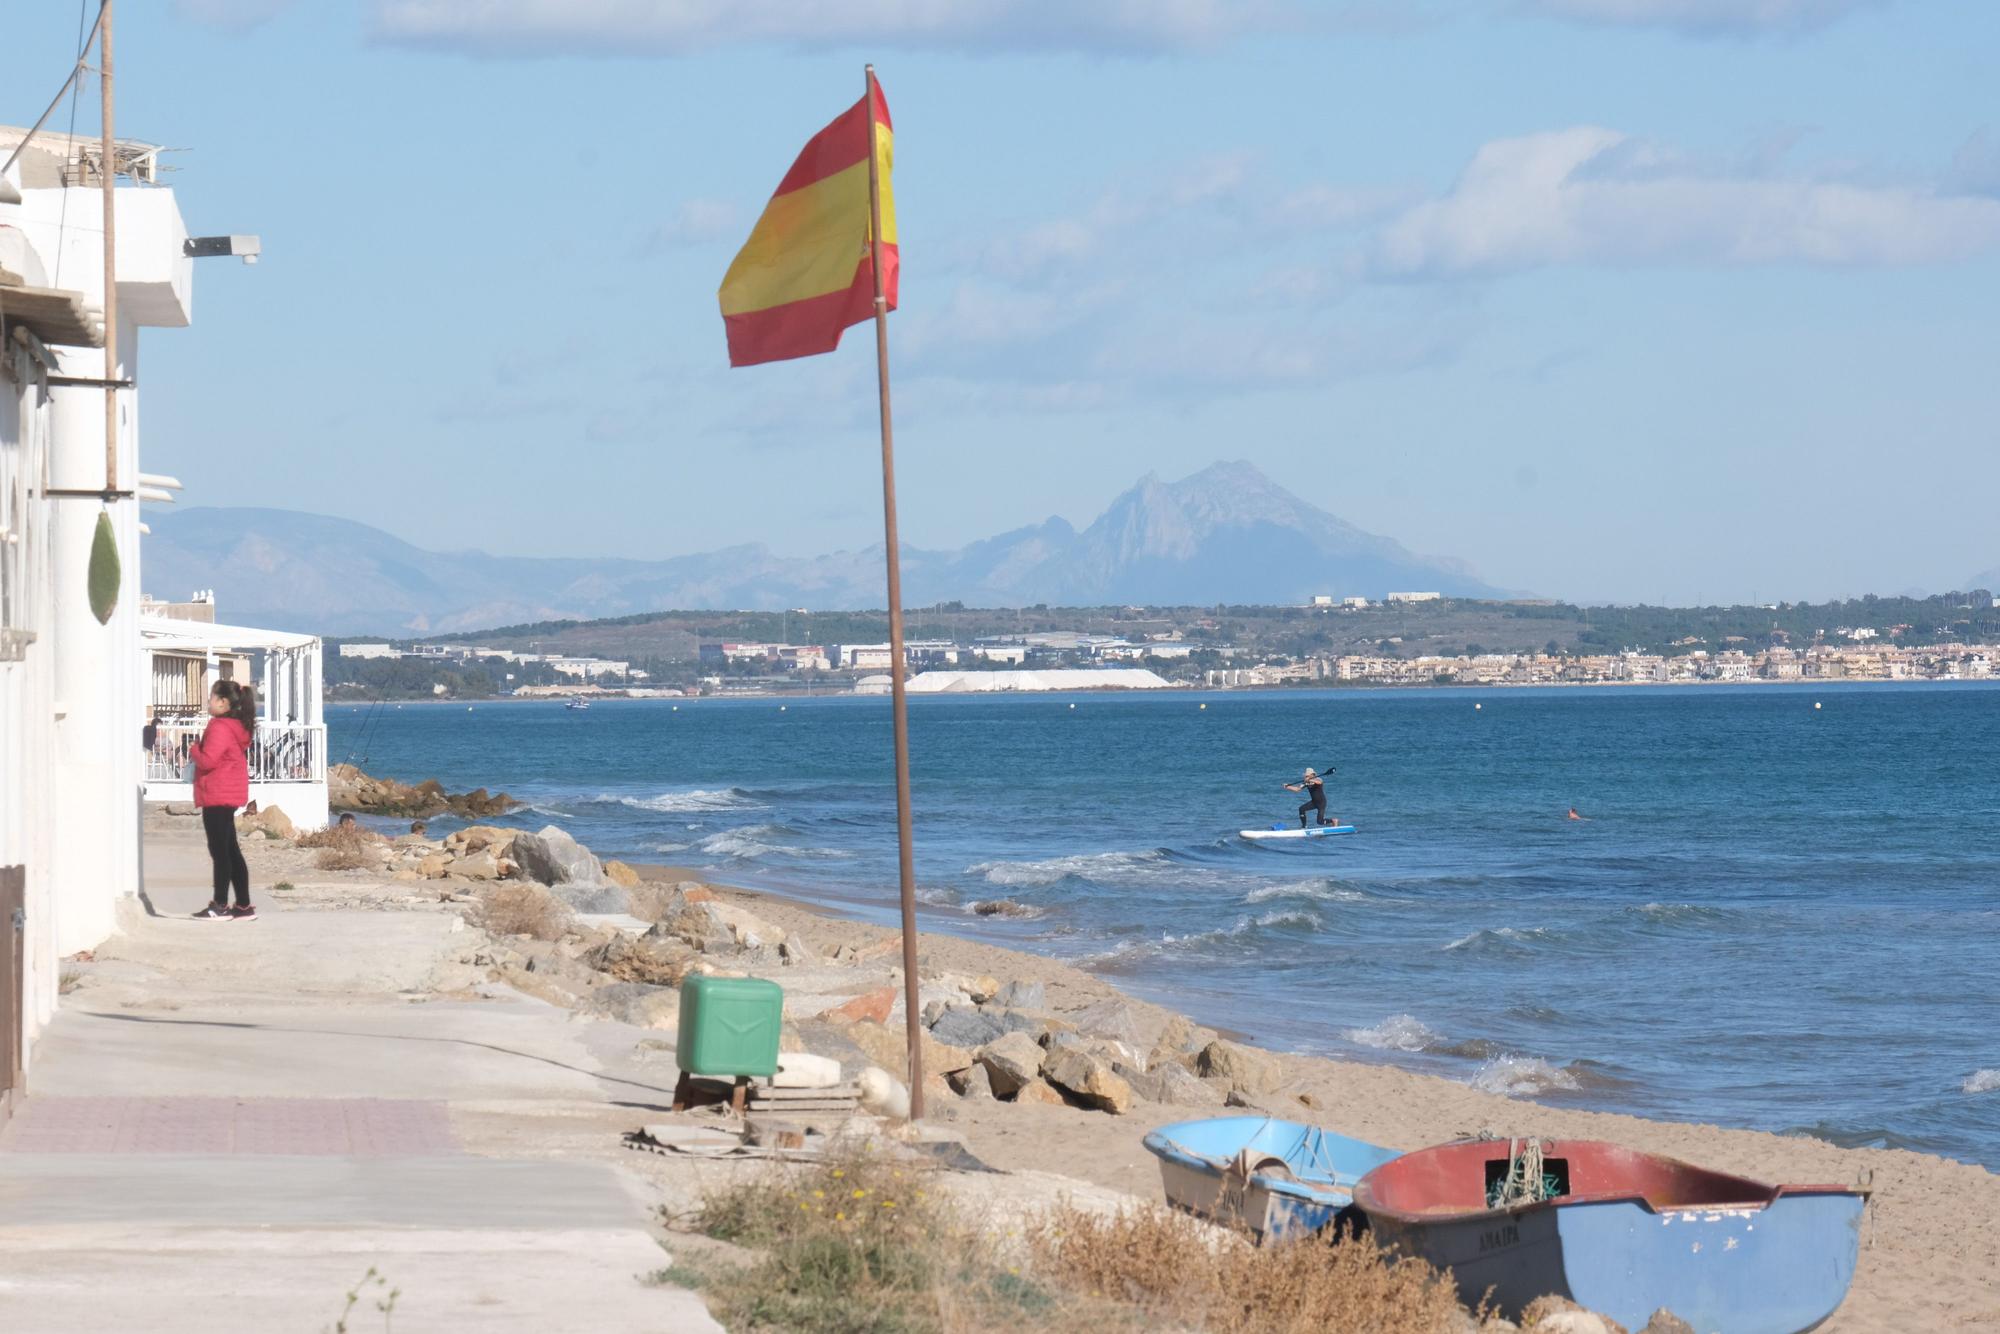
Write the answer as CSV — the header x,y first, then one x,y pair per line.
x,y
1315,802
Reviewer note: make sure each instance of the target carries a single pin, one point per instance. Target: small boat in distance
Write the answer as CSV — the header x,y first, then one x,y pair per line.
x,y
1278,1178
577,702
1621,1232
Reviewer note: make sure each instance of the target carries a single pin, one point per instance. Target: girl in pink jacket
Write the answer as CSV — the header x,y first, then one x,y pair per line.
x,y
221,787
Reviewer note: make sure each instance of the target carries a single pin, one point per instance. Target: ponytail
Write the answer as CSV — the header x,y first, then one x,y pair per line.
x,y
242,702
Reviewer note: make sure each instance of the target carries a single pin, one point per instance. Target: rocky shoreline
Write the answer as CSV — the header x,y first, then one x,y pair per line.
x,y
1039,1066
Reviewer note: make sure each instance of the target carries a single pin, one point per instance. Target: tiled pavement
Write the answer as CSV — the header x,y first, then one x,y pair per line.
x,y
369,1127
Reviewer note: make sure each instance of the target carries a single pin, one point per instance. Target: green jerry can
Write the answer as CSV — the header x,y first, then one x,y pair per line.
x,y
729,1026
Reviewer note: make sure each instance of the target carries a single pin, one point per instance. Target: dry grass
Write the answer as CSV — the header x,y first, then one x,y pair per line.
x,y
862,1247
1174,1268
522,910
351,849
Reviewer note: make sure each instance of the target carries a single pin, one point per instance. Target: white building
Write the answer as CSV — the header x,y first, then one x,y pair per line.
x,y
1355,604
73,686
369,651
1415,597
287,757
587,668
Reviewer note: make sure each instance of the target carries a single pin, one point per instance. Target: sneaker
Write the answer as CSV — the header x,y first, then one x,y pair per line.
x,y
247,911
214,912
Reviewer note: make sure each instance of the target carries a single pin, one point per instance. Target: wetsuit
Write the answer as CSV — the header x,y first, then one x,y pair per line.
x,y
1315,801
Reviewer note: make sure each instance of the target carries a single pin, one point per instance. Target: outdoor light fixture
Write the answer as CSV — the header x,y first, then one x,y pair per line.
x,y
208,247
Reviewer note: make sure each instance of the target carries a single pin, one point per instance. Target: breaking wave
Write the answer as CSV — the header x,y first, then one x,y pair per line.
x,y
1306,889
1981,1081
1083,866
695,799
749,842
1523,1077
1405,1032
1505,939
1169,944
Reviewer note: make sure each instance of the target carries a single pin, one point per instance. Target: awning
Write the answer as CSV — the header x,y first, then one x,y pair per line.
x,y
55,315
161,632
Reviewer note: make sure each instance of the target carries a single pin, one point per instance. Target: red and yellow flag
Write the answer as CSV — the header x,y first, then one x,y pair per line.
x,y
807,273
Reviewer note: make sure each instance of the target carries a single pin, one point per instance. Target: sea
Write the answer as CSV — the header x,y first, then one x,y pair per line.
x,y
1782,910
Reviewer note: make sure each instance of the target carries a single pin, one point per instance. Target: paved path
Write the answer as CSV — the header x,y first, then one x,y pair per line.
x,y
235,1121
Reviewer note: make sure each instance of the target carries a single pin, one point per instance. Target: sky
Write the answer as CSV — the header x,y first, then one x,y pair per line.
x,y
1616,300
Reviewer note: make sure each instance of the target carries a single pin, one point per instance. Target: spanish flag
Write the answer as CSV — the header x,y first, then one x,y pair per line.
x,y
807,273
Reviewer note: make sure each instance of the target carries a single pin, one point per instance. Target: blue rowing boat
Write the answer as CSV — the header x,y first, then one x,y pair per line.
x,y
1621,1232
1278,1178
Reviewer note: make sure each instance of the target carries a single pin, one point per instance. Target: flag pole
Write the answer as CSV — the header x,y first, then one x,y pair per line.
x,y
905,854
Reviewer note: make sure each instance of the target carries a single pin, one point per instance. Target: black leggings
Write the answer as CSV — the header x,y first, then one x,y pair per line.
x,y
1316,804
219,823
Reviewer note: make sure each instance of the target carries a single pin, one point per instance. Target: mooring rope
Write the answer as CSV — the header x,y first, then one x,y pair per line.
x,y
1524,1183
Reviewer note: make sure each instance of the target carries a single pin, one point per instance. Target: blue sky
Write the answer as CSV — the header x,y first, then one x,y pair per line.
x,y
1614,299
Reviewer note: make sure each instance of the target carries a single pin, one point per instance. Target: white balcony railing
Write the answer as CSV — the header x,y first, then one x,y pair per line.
x,y
280,753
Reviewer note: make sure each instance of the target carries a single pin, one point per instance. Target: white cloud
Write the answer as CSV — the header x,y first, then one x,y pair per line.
x,y
1709,17
678,27
1595,196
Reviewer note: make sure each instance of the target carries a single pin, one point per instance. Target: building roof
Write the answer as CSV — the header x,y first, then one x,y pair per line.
x,y
157,632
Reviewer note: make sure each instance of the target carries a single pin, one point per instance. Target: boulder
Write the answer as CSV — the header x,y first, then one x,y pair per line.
x,y
1012,1062
479,838
965,1027
1090,1080
869,1007
1664,1321
824,1039
618,873
552,857
585,898
657,960
1244,1069
1037,1091
972,1082
478,866
635,1003
271,821
1120,1021
1171,1084
888,1049
434,867
1022,996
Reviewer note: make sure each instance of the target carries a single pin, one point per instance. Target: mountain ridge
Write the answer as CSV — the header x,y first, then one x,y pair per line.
x,y
1225,534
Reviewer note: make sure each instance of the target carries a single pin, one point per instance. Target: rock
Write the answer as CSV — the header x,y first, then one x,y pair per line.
x,y
618,873
348,789
1238,1098
1012,1062
869,1007
434,867
983,988
271,821
1171,1084
1000,908
1091,1080
1664,1321
751,931
972,1082
888,1049
479,838
635,1003
656,960
1022,996
478,866
552,857
1244,1068
1118,1020
406,874
795,951
963,1027
1036,1091
824,1039
1559,1315
604,898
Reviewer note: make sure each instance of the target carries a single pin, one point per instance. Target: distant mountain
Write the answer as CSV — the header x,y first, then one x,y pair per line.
x,y
1226,534
1990,581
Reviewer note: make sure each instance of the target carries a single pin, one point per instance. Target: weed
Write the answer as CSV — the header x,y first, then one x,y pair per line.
x,y
349,849
522,910
371,1285
677,1275
69,980
282,886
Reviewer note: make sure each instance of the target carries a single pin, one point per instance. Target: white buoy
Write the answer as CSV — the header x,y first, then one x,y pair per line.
x,y
677,708
1478,707
783,707
1072,706
1815,704
1204,706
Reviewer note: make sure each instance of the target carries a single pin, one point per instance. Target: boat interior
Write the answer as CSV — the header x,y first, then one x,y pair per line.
x,y
1466,1178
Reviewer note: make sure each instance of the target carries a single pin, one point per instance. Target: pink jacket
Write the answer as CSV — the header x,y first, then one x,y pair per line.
x,y
222,764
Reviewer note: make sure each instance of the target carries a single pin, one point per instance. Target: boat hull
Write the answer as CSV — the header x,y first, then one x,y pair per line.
x,y
1211,1169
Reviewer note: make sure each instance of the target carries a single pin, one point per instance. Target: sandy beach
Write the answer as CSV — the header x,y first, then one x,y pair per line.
x,y
1930,1255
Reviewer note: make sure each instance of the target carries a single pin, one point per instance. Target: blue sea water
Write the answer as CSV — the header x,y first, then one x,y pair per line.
x,y
1777,915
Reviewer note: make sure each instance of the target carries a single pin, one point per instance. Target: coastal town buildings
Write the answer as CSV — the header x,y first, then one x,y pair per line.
x,y
1938,662
74,682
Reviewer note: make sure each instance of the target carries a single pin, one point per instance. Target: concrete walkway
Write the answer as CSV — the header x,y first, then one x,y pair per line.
x,y
231,1123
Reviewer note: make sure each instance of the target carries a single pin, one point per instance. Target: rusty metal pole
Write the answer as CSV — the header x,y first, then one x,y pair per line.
x,y
108,174
905,853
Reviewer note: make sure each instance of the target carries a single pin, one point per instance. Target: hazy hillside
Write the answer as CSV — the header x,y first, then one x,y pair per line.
x,y
1226,534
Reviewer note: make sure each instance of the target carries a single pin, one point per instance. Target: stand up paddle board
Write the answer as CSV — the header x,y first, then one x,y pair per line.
x,y
1290,831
